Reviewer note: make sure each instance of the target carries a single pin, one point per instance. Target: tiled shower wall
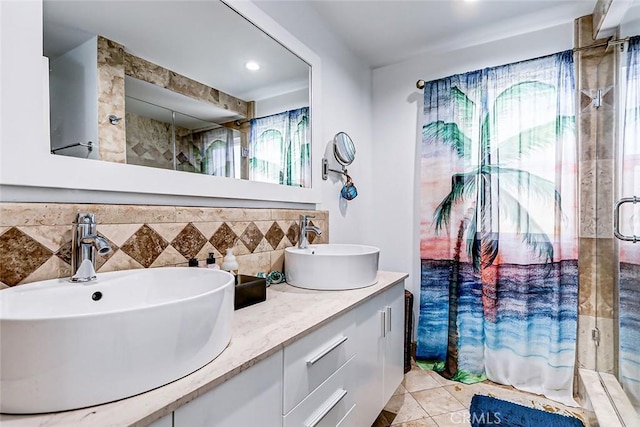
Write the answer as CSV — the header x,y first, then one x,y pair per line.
x,y
149,142
596,70
35,238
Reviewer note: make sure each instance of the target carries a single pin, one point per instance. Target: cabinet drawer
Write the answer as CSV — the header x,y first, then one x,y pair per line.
x,y
349,420
328,405
314,358
251,398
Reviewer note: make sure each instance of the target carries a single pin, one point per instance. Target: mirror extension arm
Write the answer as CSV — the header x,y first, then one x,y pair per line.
x,y
326,170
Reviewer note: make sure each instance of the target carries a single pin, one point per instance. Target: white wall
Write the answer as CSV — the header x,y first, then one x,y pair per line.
x,y
630,25
73,86
397,122
346,106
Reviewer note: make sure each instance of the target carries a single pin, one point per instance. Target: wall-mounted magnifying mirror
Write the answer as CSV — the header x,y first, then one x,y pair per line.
x,y
343,149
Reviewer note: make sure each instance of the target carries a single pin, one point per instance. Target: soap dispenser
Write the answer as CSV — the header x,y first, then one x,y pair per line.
x,y
211,262
229,262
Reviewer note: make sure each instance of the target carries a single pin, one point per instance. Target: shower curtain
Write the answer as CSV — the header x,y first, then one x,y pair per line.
x,y
629,253
279,148
217,149
498,231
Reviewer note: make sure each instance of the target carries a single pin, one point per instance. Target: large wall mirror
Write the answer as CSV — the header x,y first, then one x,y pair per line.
x,y
189,86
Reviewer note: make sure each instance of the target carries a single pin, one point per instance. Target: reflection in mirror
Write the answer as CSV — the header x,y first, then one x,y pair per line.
x,y
161,138
281,149
149,129
344,149
182,83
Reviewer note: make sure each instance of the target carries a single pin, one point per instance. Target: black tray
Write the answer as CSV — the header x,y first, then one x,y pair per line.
x,y
250,290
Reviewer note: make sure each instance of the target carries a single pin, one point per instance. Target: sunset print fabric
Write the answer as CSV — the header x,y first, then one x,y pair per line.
x,y
498,228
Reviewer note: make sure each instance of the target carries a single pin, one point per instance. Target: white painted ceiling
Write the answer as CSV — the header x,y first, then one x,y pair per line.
x,y
383,32
201,40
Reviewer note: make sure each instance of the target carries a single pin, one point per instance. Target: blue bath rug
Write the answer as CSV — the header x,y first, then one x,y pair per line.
x,y
488,411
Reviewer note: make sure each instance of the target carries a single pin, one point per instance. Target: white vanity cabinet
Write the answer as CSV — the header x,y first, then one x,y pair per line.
x,y
393,363
311,358
251,398
368,341
340,375
166,421
380,367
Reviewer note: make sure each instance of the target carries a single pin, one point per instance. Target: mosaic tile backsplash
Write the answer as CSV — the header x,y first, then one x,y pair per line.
x,y
35,238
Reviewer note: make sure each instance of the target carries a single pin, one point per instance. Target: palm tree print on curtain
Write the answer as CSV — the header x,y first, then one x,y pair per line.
x,y
498,228
280,149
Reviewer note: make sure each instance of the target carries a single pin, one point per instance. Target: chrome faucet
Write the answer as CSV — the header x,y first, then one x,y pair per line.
x,y
305,228
84,244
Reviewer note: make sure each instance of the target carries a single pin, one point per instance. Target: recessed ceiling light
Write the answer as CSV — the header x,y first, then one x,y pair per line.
x,y
252,65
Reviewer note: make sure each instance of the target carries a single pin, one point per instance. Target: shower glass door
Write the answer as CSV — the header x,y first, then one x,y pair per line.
x,y
626,216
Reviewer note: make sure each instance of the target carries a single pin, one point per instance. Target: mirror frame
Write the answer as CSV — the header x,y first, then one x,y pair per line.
x,y
336,150
29,170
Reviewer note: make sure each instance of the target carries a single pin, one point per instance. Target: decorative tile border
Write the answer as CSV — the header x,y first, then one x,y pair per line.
x,y
35,238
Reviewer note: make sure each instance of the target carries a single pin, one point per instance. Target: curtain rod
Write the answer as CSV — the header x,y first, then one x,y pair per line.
x,y
243,121
420,83
610,42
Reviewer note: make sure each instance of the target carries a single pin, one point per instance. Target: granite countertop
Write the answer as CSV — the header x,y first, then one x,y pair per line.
x,y
258,331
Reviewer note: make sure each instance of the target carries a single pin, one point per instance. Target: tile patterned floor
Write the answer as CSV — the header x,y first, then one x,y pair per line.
x,y
425,399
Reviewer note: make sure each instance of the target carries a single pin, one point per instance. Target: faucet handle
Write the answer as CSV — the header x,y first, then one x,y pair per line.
x,y
305,218
85,218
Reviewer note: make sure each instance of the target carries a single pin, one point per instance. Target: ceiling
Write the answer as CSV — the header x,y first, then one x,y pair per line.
x,y
380,32
383,32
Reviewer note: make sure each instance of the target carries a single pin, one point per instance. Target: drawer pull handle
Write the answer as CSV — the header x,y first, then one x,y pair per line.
x,y
388,318
327,408
326,351
383,323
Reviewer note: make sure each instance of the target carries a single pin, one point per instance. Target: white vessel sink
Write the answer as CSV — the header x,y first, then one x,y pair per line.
x,y
332,267
68,345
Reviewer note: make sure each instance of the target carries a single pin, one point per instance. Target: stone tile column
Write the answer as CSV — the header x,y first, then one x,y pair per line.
x,y
597,264
111,138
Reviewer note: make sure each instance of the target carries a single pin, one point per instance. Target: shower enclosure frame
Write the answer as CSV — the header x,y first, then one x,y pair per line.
x,y
609,201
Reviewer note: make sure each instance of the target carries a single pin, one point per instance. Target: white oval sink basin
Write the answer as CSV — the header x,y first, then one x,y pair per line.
x,y
68,345
331,267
